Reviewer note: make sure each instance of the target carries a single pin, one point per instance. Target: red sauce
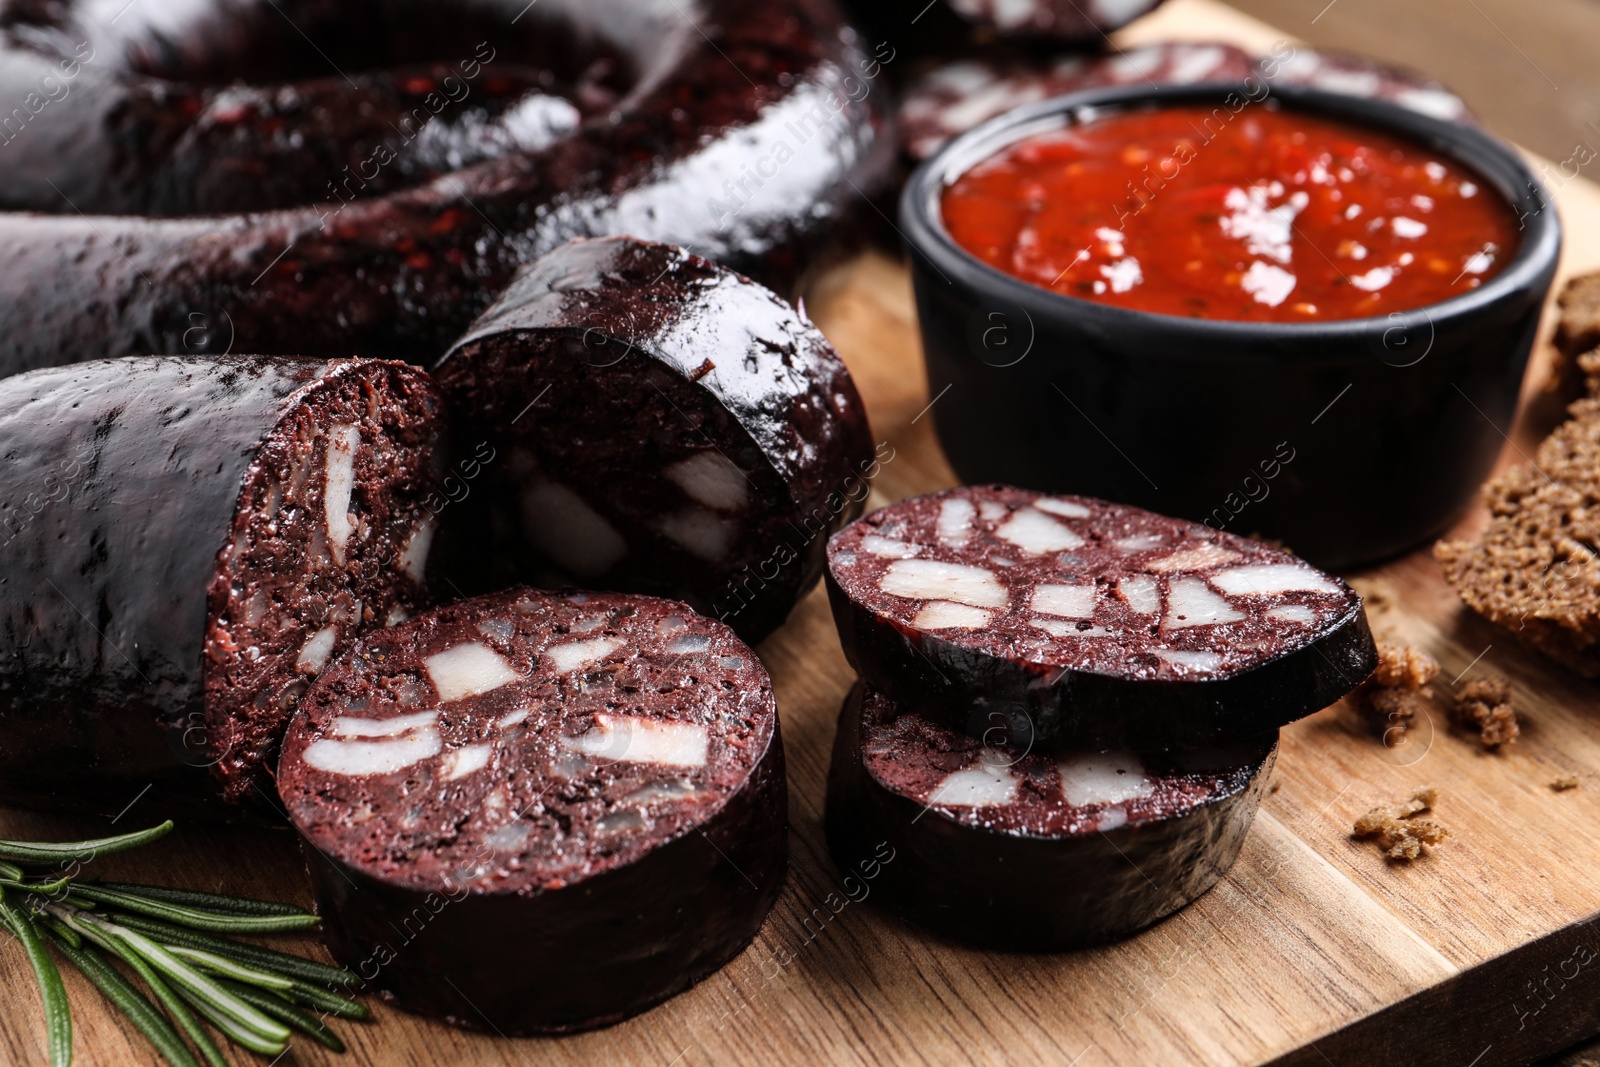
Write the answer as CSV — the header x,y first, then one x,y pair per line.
x,y
1264,215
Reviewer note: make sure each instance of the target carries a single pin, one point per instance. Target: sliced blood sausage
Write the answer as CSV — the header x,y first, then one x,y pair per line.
x,y
1353,75
741,130
663,425
1008,613
1030,851
186,542
953,98
956,96
1068,20
529,812
950,27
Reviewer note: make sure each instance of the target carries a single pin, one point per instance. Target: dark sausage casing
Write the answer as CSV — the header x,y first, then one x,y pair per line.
x,y
175,568
1030,851
533,813
660,425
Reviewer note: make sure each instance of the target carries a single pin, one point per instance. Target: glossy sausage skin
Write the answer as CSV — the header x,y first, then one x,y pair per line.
x,y
660,425
135,488
745,132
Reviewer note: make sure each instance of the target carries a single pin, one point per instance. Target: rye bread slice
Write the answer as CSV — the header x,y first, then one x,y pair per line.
x,y
1534,569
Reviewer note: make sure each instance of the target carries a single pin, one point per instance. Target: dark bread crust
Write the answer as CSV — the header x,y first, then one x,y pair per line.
x,y
610,360
124,486
978,876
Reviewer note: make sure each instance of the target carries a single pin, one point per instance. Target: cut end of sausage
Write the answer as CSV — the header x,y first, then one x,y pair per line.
x,y
984,595
668,426
330,539
528,733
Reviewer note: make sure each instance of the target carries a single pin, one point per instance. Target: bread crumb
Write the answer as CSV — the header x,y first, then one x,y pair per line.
x,y
1485,704
1397,691
1564,783
1404,666
1401,835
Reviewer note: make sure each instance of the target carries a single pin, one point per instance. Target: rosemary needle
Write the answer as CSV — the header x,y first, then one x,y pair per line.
x,y
194,898
226,968
80,851
215,922
285,1012
57,1012
270,959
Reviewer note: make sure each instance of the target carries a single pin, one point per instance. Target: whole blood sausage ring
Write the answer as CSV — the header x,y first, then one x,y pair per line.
x,y
428,148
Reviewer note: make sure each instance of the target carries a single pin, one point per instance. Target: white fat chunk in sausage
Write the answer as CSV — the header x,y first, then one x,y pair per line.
x,y
563,526
1066,601
342,444
1067,509
396,616
944,615
1102,778
1298,614
1190,602
496,629
460,762
575,655
1194,558
1270,579
353,726
699,532
1111,819
1141,593
1067,628
992,511
414,557
1138,543
688,644
1037,533
710,478
315,652
1119,12
467,670
888,547
633,739
928,579
657,792
955,521
583,626
1199,660
356,759
508,838
512,718
986,785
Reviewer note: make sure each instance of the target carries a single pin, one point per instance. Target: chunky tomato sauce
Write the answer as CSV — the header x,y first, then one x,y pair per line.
x,y
1264,215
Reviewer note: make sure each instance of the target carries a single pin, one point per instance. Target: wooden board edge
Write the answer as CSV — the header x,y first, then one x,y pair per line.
x,y
1481,1017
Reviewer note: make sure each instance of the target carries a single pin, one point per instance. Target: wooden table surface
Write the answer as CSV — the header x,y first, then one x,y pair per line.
x,y
1311,951
1527,68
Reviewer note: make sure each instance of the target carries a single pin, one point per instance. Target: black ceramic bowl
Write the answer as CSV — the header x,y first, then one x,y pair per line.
x,y
1350,440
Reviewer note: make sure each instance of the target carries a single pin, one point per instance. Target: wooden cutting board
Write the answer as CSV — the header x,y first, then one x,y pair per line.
x,y
1311,951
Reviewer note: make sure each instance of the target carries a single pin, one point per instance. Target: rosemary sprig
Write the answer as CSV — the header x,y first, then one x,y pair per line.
x,y
256,997
200,919
79,851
